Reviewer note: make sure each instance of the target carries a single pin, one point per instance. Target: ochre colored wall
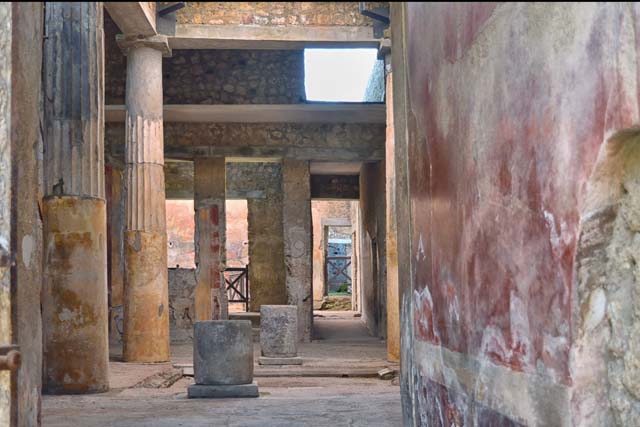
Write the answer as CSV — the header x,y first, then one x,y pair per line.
x,y
510,106
180,232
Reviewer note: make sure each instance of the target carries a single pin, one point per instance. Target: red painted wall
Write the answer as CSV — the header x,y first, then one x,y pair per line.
x,y
509,106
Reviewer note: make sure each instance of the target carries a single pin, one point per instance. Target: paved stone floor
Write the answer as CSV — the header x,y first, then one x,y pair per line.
x,y
286,400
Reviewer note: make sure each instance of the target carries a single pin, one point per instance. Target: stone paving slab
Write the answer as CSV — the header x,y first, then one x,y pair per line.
x,y
263,360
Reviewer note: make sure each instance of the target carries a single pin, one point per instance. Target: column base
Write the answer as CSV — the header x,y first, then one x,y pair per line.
x,y
74,300
196,391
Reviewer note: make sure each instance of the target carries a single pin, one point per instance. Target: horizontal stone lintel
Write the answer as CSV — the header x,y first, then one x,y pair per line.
x,y
298,153
271,113
133,18
196,36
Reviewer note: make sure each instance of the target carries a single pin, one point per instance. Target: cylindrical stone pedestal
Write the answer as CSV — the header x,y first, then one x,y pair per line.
x,y
279,335
223,359
74,299
146,314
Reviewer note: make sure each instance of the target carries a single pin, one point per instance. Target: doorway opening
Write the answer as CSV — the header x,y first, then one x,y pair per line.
x,y
236,275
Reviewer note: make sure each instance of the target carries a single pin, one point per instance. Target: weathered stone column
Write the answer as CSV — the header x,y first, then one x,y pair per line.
x,y
209,202
74,299
146,296
267,272
114,186
298,254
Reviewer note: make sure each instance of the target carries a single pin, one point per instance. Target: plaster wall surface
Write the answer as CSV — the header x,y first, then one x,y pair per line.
x,y
372,242
5,204
510,109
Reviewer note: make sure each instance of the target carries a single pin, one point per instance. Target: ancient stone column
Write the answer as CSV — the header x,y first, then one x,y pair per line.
x,y
267,271
146,296
114,186
74,298
209,202
298,241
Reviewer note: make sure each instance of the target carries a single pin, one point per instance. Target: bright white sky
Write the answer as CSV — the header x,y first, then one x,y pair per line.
x,y
339,75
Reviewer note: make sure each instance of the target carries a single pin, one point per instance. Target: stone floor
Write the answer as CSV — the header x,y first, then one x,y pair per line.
x,y
288,397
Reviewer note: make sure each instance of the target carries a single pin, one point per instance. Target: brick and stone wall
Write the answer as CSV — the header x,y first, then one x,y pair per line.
x,y
234,77
253,136
182,285
218,76
275,13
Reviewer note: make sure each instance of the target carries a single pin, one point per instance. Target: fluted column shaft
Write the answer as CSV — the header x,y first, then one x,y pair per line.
x,y
74,300
146,299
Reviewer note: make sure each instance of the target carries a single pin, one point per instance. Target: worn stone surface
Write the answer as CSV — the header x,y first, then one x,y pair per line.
x,y
302,141
26,63
606,345
275,13
146,298
298,253
199,391
182,285
223,352
74,297
279,330
278,361
267,274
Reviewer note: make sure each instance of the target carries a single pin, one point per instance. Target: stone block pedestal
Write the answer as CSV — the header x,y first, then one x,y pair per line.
x,y
200,391
223,359
279,335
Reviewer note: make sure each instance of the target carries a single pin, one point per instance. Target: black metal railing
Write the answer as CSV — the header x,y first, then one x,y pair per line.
x,y
237,285
339,265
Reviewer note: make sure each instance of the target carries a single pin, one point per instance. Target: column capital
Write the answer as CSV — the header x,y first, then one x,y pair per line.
x,y
158,42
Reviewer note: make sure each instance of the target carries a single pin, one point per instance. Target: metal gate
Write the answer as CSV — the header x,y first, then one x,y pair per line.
x,y
237,285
